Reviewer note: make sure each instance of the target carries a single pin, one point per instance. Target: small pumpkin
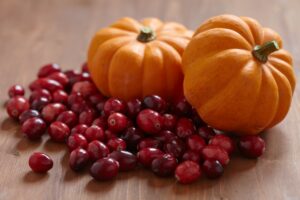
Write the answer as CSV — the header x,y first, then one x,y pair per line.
x,y
131,59
237,75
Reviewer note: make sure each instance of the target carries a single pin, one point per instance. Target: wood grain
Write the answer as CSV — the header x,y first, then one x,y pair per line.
x,y
34,32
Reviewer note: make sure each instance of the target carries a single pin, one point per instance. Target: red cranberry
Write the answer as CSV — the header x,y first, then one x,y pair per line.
x,y
87,117
60,96
28,114
34,128
100,107
150,121
58,131
59,77
126,160
51,111
45,83
40,162
185,128
132,136
195,143
16,90
73,76
76,140
96,98
165,136
170,122
16,106
39,103
75,98
134,107
84,68
212,168
37,94
116,144
224,142
206,133
104,169
147,155
117,122
212,152
101,122
79,129
164,165
182,107
79,158
109,134
68,117
113,105
155,103
191,155
175,147
97,150
251,146
187,172
48,69
86,88
94,133
149,142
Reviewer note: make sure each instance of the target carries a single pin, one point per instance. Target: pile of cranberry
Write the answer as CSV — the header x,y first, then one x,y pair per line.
x,y
109,135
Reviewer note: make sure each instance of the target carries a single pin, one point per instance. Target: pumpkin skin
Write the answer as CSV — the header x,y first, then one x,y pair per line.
x,y
123,66
232,89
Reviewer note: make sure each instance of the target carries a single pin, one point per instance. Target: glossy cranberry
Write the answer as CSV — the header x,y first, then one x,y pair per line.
x,y
211,152
75,98
96,98
188,172
94,133
175,147
60,96
132,136
251,146
113,105
224,142
191,155
45,83
150,121
147,155
68,117
79,129
16,106
58,131
206,133
48,69
155,103
164,165
134,106
97,150
195,143
51,111
126,159
28,114
212,168
84,67
182,107
101,122
109,134
37,94
59,77
16,90
40,162
73,76
117,122
104,169
86,88
170,122
87,117
39,103
34,128
185,128
79,158
116,144
149,142
165,136
76,140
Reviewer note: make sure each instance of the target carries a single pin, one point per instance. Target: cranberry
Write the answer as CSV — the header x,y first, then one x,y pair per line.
x,y
51,111
28,114
212,152
16,106
101,122
170,122
224,142
45,83
86,88
197,119
195,143
79,158
185,127
117,122
212,168
150,121
100,107
187,172
127,160
58,131
251,146
155,103
60,96
165,136
164,165
76,140
132,136
104,169
16,90
75,98
182,107
79,129
109,134
87,117
147,155
115,144
134,107
97,150
191,155
39,103
68,117
34,128
96,98
206,133
73,76
113,105
84,68
175,147
40,162
149,142
37,94
59,77
48,69
94,133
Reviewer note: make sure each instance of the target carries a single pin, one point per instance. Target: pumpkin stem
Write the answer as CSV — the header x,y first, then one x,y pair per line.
x,y
261,52
146,34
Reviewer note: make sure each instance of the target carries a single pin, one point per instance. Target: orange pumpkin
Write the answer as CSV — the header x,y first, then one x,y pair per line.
x,y
131,59
237,75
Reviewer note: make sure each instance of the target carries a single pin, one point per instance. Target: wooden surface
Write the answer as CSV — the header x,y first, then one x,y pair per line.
x,y
35,32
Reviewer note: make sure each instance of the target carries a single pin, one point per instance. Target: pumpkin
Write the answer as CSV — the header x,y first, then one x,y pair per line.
x,y
237,75
131,59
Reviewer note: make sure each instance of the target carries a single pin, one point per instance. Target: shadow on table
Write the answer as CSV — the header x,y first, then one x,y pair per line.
x,y
54,146
32,177
100,187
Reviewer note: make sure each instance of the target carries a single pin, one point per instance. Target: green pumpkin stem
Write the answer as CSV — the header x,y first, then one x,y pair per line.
x,y
146,34
262,52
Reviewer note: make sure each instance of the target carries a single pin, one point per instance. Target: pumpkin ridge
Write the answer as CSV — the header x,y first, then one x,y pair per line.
x,y
284,56
149,22
128,24
175,42
255,29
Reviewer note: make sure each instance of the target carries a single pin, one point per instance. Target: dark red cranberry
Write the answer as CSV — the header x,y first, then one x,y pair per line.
x,y
150,121
100,107
211,152
96,98
182,107
97,150
79,129
104,169
149,142
16,90
191,155
68,117
164,165
212,168
251,146
109,134
101,122
147,155
117,122
40,162
165,136
73,76
39,103
134,107
76,140
34,128
170,122
94,133
132,136
155,103
175,147
84,67
45,83
48,69
75,98
79,158
60,96
185,128
59,77
188,172
58,131
16,106
51,111
116,144
28,114
195,143
86,88
126,159
206,133
224,142
113,105
37,94
87,117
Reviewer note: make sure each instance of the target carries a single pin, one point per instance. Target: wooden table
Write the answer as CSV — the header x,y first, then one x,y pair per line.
x,y
34,32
